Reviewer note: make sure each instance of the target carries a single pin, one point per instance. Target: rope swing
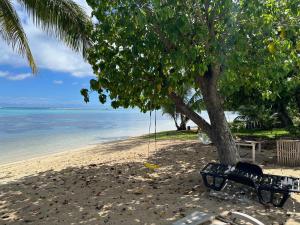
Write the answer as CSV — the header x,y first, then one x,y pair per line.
x,y
148,165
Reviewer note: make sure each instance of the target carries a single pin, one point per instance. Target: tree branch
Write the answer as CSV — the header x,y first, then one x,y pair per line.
x,y
184,109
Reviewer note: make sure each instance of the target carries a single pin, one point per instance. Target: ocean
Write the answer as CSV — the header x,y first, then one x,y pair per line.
x,y
30,132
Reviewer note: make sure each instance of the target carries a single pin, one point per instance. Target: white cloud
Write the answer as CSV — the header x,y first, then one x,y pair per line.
x,y
48,52
3,74
58,82
85,6
9,76
20,76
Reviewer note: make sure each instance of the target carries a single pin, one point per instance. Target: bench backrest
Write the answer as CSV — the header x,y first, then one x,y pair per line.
x,y
249,168
244,173
288,152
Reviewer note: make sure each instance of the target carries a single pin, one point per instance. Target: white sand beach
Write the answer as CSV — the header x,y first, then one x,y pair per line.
x,y
108,184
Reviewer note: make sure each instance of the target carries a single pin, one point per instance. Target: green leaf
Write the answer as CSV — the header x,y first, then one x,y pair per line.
x,y
85,93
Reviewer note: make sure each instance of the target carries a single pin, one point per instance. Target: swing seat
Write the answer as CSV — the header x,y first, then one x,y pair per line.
x,y
151,166
270,188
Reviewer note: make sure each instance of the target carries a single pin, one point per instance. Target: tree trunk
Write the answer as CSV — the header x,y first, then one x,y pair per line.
x,y
183,122
183,108
221,134
283,115
176,124
298,98
218,131
182,126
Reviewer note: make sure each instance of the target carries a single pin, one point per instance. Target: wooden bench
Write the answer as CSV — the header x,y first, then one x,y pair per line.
x,y
252,144
288,152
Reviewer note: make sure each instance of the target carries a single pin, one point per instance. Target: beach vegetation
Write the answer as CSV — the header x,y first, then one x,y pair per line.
x,y
192,99
63,19
187,135
271,101
145,52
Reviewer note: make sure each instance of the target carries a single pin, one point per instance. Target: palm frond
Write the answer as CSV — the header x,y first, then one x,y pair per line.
x,y
196,102
12,32
63,19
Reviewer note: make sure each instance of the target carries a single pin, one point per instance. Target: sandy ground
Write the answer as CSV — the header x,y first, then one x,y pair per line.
x,y
108,184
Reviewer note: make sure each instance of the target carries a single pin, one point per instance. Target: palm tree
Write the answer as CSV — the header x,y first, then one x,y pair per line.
x,y
192,99
63,19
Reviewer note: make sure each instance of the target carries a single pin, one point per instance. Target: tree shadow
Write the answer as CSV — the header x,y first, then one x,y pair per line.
x,y
126,193
116,146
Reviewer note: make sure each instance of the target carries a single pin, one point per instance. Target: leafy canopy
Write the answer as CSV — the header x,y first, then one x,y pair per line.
x,y
270,77
273,69
144,50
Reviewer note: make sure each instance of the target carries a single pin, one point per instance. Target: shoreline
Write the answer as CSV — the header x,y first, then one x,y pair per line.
x,y
79,157
64,151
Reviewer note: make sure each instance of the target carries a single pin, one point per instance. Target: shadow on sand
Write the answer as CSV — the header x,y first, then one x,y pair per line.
x,y
126,193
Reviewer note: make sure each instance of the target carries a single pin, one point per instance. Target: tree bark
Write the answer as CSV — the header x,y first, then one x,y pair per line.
x,y
176,124
183,122
283,115
218,131
298,98
221,134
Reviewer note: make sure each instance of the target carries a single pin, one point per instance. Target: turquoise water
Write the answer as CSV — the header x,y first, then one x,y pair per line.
x,y
30,132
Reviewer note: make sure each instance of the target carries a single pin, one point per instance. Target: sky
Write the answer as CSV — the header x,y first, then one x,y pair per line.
x,y
61,72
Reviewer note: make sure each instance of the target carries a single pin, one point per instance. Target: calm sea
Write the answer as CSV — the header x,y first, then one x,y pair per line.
x,y
30,132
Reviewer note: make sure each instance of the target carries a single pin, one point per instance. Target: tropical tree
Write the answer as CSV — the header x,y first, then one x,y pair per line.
x,y
192,99
297,96
270,85
63,19
268,112
145,52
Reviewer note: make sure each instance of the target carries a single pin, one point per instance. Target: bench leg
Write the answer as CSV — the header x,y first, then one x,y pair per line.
x,y
264,196
276,197
253,153
279,198
214,182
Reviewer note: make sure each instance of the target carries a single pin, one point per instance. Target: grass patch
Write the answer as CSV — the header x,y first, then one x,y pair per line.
x,y
192,134
269,134
174,135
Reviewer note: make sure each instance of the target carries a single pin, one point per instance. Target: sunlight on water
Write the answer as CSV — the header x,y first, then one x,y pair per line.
x,y
30,132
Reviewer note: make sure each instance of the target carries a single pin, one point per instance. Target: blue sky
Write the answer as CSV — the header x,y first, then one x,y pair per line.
x,y
62,73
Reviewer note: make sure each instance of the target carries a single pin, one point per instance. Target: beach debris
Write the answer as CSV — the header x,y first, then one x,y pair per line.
x,y
151,166
5,216
65,202
196,187
162,213
238,193
99,206
138,191
106,219
92,165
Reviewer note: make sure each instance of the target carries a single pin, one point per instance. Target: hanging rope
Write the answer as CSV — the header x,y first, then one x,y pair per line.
x,y
155,130
149,134
151,166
